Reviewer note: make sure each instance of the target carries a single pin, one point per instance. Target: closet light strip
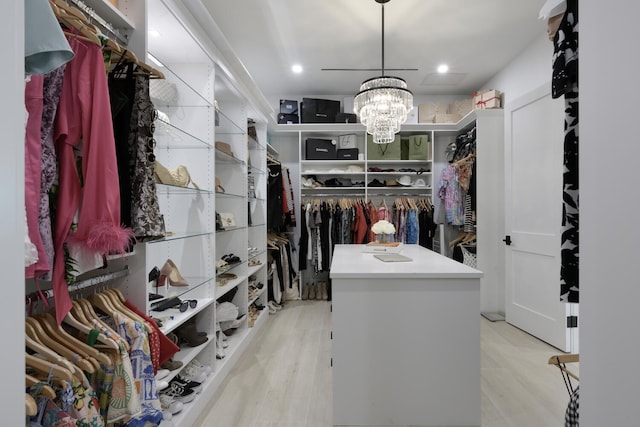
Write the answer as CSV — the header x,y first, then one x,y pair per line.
x,y
83,283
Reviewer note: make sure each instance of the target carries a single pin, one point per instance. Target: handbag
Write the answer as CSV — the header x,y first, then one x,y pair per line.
x,y
390,151
419,147
227,219
224,147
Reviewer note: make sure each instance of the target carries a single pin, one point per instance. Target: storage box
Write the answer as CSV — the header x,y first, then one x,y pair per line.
x,y
348,154
447,118
347,104
412,116
487,99
320,149
347,141
462,107
287,119
427,112
288,106
319,110
346,118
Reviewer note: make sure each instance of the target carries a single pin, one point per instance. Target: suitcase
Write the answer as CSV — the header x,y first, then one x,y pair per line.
x,y
319,110
320,149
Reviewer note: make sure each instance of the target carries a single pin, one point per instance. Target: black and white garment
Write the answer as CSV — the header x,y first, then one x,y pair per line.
x,y
571,416
565,82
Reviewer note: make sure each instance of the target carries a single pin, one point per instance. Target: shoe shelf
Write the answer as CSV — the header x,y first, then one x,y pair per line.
x,y
254,269
398,173
331,162
338,190
176,318
262,318
255,145
398,162
222,157
228,126
262,224
187,354
176,77
180,236
229,195
255,171
174,189
227,229
169,136
329,172
221,290
399,189
256,199
169,291
257,296
235,342
230,268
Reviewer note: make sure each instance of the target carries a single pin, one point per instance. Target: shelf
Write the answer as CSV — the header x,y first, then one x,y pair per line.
x,y
230,268
222,157
229,195
254,299
322,128
230,229
272,150
331,162
339,189
178,291
399,173
111,14
331,173
174,189
397,162
399,189
169,136
255,145
256,199
180,318
221,290
187,354
253,269
226,126
235,342
262,224
257,254
262,317
255,170
182,235
189,97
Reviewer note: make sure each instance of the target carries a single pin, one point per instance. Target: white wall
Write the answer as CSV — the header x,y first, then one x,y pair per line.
x,y
609,197
529,70
12,212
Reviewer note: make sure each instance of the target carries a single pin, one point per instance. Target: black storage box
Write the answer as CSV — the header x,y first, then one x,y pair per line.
x,y
346,118
319,110
288,106
320,149
287,119
348,154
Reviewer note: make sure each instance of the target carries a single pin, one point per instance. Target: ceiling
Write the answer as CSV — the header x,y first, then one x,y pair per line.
x,y
475,38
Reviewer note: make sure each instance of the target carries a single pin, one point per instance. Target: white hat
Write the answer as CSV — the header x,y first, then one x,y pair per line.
x,y
405,180
419,183
355,168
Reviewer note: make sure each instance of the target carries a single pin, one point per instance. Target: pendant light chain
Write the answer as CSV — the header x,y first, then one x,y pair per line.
x,y
382,39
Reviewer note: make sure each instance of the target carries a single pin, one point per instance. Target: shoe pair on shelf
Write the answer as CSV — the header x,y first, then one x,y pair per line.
x,y
168,273
188,334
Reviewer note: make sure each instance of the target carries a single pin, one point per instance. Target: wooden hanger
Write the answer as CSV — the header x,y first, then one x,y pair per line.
x,y
57,372
37,339
117,300
46,391
59,334
73,18
30,406
86,328
103,303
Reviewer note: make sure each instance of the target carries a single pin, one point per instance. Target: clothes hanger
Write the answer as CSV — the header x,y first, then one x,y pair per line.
x,y
30,406
39,341
58,333
102,302
122,308
73,18
86,328
58,374
45,391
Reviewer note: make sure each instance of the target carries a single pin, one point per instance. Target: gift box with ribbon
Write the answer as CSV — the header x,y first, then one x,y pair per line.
x,y
487,99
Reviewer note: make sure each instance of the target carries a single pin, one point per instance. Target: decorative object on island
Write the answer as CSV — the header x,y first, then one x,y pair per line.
x,y
383,230
383,102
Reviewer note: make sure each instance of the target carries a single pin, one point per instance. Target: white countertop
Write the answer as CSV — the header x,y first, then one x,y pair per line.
x,y
349,261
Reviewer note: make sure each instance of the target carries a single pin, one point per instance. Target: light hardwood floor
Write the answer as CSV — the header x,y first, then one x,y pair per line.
x,y
284,379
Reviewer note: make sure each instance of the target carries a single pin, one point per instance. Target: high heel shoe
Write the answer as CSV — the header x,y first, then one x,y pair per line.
x,y
170,271
179,177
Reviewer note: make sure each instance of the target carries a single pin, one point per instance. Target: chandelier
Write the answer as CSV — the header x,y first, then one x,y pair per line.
x,y
383,102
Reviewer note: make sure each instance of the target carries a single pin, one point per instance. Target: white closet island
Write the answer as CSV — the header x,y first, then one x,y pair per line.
x,y
406,339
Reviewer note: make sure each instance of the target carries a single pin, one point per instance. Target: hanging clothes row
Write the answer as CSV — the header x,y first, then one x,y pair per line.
x,y
457,183
85,196
100,363
280,200
280,258
328,222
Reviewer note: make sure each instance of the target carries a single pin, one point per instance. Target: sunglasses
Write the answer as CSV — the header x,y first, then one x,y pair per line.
x,y
184,305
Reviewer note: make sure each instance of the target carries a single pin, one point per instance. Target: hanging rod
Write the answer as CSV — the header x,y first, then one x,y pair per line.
x,y
83,284
94,18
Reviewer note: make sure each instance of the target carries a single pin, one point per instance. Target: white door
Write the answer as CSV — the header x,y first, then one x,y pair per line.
x,y
534,156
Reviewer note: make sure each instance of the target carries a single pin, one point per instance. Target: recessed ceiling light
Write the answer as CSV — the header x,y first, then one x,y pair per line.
x,y
154,33
443,68
297,68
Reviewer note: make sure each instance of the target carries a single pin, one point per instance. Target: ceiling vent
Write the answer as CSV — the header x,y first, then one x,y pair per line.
x,y
449,79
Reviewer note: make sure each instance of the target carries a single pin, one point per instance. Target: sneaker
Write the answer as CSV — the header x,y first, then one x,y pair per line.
x,y
193,373
169,404
162,373
161,384
179,393
186,383
205,368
